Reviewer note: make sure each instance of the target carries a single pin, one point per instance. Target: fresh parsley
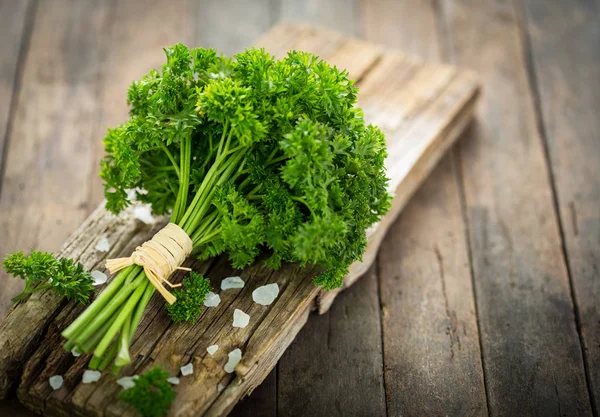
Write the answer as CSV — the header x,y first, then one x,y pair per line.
x,y
190,299
62,275
152,395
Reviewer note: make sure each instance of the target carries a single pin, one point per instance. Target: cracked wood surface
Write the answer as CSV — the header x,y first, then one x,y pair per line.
x,y
422,108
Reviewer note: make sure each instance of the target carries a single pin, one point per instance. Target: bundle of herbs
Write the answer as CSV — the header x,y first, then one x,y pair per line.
x,y
250,155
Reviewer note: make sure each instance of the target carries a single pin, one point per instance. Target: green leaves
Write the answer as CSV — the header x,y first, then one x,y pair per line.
x,y
151,395
62,275
274,155
190,299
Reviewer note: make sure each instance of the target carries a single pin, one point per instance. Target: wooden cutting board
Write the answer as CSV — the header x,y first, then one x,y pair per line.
x,y
422,108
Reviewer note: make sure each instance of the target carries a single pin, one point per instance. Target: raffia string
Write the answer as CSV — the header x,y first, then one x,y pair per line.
x,y
159,257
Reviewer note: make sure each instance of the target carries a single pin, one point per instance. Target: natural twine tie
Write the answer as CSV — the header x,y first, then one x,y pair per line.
x,y
159,257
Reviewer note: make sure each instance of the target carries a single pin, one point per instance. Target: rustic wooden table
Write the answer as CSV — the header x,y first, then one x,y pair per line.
x,y
484,298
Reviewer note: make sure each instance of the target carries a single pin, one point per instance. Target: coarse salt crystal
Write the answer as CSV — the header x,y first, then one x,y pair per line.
x,y
127,381
240,319
220,387
212,299
143,213
99,277
232,282
187,369
266,294
90,376
103,244
212,349
235,356
56,381
173,380
75,352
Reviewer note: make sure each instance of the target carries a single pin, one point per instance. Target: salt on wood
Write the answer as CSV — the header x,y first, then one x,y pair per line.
x,y
127,381
212,299
173,380
266,294
240,319
235,356
103,244
56,381
212,349
232,282
187,369
99,277
90,376
143,214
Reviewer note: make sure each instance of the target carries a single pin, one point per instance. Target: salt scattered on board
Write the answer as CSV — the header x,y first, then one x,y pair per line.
x,y
99,277
212,299
103,244
232,282
187,369
143,213
56,381
235,356
75,352
90,376
220,387
173,380
240,319
212,349
266,294
127,381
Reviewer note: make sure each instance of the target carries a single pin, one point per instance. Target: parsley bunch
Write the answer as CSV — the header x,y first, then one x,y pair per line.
x,y
62,275
251,155
190,300
152,395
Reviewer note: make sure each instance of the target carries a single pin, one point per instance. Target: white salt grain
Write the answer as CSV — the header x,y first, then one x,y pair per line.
x,y
99,277
75,352
235,356
212,299
143,213
90,376
240,319
232,282
103,244
56,381
173,380
212,349
127,381
266,294
220,387
187,369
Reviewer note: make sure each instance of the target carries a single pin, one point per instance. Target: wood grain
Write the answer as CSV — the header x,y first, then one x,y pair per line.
x,y
15,26
272,328
46,188
531,354
429,328
564,41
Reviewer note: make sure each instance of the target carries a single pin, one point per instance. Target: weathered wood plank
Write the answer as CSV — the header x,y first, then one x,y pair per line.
x,y
565,49
263,342
340,15
45,189
347,379
15,26
531,354
430,336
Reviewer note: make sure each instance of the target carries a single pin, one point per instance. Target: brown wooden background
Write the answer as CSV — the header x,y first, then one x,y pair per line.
x,y
484,298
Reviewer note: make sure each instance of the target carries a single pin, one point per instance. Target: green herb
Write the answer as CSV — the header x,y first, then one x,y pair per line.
x,y
62,275
151,395
190,299
252,155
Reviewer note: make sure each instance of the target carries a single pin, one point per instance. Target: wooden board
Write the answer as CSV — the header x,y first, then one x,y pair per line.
x,y
429,326
421,107
566,81
531,353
